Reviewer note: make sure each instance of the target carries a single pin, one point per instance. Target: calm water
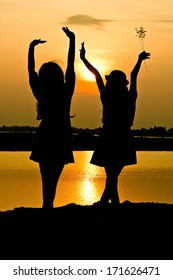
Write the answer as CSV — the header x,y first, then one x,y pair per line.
x,y
151,180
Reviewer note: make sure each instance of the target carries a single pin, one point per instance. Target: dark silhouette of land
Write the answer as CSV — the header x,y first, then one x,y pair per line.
x,y
19,138
143,230
134,231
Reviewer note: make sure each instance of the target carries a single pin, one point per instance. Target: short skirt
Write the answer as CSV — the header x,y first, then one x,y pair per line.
x,y
115,147
52,145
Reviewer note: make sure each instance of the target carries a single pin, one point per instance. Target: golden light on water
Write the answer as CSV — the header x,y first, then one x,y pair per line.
x,y
89,191
82,183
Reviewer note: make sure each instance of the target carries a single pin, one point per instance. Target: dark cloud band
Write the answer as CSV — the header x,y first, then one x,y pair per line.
x,y
86,20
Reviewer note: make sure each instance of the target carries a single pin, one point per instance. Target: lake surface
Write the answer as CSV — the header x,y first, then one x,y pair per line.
x,y
150,180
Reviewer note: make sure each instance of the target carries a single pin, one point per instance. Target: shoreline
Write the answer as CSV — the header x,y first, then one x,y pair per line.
x,y
22,141
132,231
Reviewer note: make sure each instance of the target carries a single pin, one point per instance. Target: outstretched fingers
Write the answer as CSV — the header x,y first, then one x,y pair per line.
x,y
144,55
37,41
69,33
148,55
82,51
42,41
65,29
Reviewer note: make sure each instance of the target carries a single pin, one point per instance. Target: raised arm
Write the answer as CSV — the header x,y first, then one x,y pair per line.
x,y
31,59
142,56
71,50
70,77
33,78
91,68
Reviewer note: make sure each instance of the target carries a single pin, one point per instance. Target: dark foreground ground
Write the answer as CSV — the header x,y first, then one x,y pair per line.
x,y
134,231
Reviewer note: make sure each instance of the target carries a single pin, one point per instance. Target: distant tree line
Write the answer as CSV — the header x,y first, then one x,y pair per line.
x,y
156,131
15,128
19,138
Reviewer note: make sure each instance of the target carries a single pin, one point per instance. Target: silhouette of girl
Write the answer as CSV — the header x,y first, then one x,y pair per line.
x,y
52,147
115,148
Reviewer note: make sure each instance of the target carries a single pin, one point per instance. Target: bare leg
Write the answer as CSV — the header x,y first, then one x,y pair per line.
x,y
111,186
50,173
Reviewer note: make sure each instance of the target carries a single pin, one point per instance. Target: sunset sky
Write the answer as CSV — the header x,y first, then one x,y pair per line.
x,y
108,30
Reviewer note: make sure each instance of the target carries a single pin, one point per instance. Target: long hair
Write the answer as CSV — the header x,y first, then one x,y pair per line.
x,y
51,85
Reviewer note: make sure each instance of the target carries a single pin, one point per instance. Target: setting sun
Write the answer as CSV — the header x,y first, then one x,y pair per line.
x,y
110,42
87,75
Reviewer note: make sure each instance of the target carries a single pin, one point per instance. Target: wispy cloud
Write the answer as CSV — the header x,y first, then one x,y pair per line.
x,y
165,20
86,20
157,20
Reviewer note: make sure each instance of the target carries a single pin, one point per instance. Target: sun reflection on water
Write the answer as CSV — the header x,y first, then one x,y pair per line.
x,y
82,183
89,192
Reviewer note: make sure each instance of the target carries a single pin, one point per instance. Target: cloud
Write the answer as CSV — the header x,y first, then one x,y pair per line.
x,y
165,20
99,23
86,20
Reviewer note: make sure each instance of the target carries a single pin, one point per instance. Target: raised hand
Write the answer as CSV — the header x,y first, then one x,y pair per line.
x,y
82,51
36,42
144,55
69,33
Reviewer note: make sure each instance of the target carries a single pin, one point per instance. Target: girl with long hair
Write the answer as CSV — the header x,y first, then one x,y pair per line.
x,y
52,147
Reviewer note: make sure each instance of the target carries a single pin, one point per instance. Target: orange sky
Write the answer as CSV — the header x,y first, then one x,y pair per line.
x,y
108,30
